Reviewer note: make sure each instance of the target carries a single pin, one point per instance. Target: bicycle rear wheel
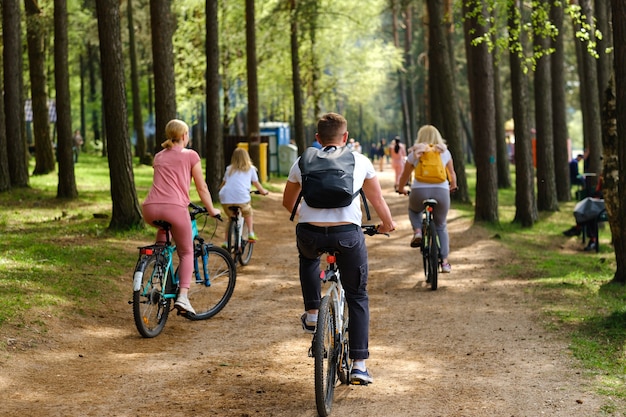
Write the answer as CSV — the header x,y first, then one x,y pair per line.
x,y
343,362
150,309
424,250
433,255
325,352
209,293
233,241
245,252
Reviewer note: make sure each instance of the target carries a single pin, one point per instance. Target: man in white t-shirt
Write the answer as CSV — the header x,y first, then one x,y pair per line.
x,y
339,228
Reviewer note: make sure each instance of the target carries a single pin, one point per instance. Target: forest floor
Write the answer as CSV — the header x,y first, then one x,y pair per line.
x,y
478,346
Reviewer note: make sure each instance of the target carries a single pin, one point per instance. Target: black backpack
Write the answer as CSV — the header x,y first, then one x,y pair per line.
x,y
328,179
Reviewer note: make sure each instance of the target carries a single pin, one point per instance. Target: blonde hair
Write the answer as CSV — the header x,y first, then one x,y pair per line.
x,y
430,135
240,161
174,131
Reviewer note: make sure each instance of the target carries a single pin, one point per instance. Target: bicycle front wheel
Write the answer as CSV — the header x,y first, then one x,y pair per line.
x,y
433,255
325,352
245,252
150,308
214,282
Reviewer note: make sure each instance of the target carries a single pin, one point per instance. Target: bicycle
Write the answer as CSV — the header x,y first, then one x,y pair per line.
x,y
431,253
155,283
238,244
330,345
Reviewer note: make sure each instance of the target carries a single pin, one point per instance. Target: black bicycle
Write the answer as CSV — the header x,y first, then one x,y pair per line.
x,y
430,248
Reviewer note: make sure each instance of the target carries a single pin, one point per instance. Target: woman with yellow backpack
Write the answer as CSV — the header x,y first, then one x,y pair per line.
x,y
431,163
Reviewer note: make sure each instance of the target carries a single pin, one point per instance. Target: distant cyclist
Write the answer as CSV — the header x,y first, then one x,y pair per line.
x,y
168,199
235,188
420,191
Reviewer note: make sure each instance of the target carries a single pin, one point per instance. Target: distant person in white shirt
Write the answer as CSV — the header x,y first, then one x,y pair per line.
x,y
235,188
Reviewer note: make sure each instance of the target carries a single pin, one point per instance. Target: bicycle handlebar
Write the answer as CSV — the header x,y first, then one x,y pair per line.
x,y
197,210
372,229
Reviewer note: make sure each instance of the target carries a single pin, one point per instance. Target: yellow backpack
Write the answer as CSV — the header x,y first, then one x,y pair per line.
x,y
430,168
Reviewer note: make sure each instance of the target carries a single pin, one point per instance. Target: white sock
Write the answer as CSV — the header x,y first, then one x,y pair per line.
x,y
359,364
311,318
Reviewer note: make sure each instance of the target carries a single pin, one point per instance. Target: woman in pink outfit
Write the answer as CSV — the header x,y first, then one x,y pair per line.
x,y
398,157
168,199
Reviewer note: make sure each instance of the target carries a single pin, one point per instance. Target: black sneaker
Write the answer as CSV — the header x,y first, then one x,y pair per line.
x,y
306,325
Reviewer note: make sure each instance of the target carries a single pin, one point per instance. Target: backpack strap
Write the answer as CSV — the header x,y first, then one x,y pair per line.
x,y
295,207
367,209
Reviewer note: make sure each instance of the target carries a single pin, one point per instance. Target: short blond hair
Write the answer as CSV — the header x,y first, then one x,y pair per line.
x,y
174,132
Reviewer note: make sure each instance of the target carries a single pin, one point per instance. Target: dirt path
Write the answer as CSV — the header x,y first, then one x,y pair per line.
x,y
475,347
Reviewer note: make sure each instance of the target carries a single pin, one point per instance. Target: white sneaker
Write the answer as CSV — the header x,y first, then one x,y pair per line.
x,y
183,305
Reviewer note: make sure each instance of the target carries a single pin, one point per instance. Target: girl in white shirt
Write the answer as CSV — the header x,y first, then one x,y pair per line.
x,y
235,188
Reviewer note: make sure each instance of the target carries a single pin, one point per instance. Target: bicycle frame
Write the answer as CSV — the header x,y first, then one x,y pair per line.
x,y
431,255
335,291
238,245
170,279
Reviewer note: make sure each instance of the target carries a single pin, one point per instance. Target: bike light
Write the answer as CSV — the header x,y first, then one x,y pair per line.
x,y
146,251
331,259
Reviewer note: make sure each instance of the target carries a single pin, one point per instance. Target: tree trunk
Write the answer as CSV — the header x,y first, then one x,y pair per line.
x,y
602,14
590,106
525,204
67,179
402,89
5,181
163,63
298,112
409,64
92,62
442,90
254,138
617,218
559,116
35,36
126,210
502,158
140,147
480,77
214,134
13,94
546,181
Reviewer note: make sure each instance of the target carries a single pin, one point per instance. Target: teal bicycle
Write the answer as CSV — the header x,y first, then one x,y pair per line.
x,y
155,282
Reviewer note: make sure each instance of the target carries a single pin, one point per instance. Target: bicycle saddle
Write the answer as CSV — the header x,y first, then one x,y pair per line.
x,y
162,224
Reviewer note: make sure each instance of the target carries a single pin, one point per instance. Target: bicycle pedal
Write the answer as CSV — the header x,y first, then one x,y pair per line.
x,y
358,382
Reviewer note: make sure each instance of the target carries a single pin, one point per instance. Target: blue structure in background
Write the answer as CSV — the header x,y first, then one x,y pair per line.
x,y
279,134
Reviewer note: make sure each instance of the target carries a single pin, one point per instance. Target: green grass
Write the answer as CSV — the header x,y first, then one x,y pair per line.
x,y
55,256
